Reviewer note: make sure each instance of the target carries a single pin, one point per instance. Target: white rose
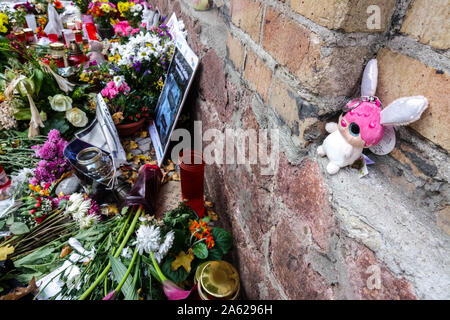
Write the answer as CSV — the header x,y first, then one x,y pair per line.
x,y
77,117
60,102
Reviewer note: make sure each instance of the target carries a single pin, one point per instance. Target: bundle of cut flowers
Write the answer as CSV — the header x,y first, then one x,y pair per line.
x,y
52,164
16,152
134,256
103,11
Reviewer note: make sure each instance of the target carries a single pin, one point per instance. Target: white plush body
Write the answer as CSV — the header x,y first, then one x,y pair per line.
x,y
338,150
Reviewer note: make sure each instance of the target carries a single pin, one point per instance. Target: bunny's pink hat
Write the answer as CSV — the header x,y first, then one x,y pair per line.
x,y
367,116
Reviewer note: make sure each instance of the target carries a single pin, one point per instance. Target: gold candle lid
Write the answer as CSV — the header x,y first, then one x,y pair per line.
x,y
219,279
199,270
56,46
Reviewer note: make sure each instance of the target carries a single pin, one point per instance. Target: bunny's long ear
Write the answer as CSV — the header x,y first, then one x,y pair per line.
x,y
404,111
370,79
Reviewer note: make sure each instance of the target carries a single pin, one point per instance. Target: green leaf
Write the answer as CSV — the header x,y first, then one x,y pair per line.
x,y
26,277
34,257
223,239
176,276
19,228
10,220
56,122
22,113
119,271
215,254
200,250
206,219
2,224
124,211
37,78
179,241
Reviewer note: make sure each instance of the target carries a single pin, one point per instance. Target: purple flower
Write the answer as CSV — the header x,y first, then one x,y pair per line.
x,y
137,66
53,164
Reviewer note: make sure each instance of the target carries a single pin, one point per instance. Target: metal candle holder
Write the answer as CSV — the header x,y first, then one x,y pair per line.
x,y
97,165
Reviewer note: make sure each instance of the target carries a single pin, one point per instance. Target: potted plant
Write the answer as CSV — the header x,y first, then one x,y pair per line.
x,y
103,12
129,110
141,58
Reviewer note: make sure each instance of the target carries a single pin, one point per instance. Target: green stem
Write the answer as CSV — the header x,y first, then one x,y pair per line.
x,y
158,270
122,282
122,245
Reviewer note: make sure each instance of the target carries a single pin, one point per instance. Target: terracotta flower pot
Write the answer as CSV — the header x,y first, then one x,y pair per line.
x,y
126,130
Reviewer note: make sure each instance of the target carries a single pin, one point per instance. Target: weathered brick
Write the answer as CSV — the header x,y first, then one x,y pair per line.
x,y
348,15
443,219
299,115
258,74
370,279
304,192
428,21
247,15
295,47
289,254
235,52
402,76
285,40
343,73
212,80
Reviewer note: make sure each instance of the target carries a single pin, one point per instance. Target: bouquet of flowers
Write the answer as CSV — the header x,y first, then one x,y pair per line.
x,y
103,12
132,11
52,164
125,105
142,59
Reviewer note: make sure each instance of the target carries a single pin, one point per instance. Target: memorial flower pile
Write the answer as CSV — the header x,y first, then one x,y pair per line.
x,y
77,242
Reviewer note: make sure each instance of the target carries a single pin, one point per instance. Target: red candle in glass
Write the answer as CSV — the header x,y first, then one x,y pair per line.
x,y
192,169
78,36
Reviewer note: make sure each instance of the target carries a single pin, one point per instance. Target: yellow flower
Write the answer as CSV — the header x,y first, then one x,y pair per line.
x,y
123,6
106,8
3,18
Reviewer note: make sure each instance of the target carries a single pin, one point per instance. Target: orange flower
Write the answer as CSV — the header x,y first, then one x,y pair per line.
x,y
201,231
58,4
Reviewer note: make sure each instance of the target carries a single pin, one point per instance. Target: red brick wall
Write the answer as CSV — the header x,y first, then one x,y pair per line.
x,y
292,65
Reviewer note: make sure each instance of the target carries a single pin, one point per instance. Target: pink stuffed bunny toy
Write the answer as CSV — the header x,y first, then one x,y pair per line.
x,y
365,123
96,53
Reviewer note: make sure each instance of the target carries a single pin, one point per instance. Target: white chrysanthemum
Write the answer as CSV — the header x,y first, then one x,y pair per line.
x,y
148,239
75,201
165,246
82,210
126,253
88,220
